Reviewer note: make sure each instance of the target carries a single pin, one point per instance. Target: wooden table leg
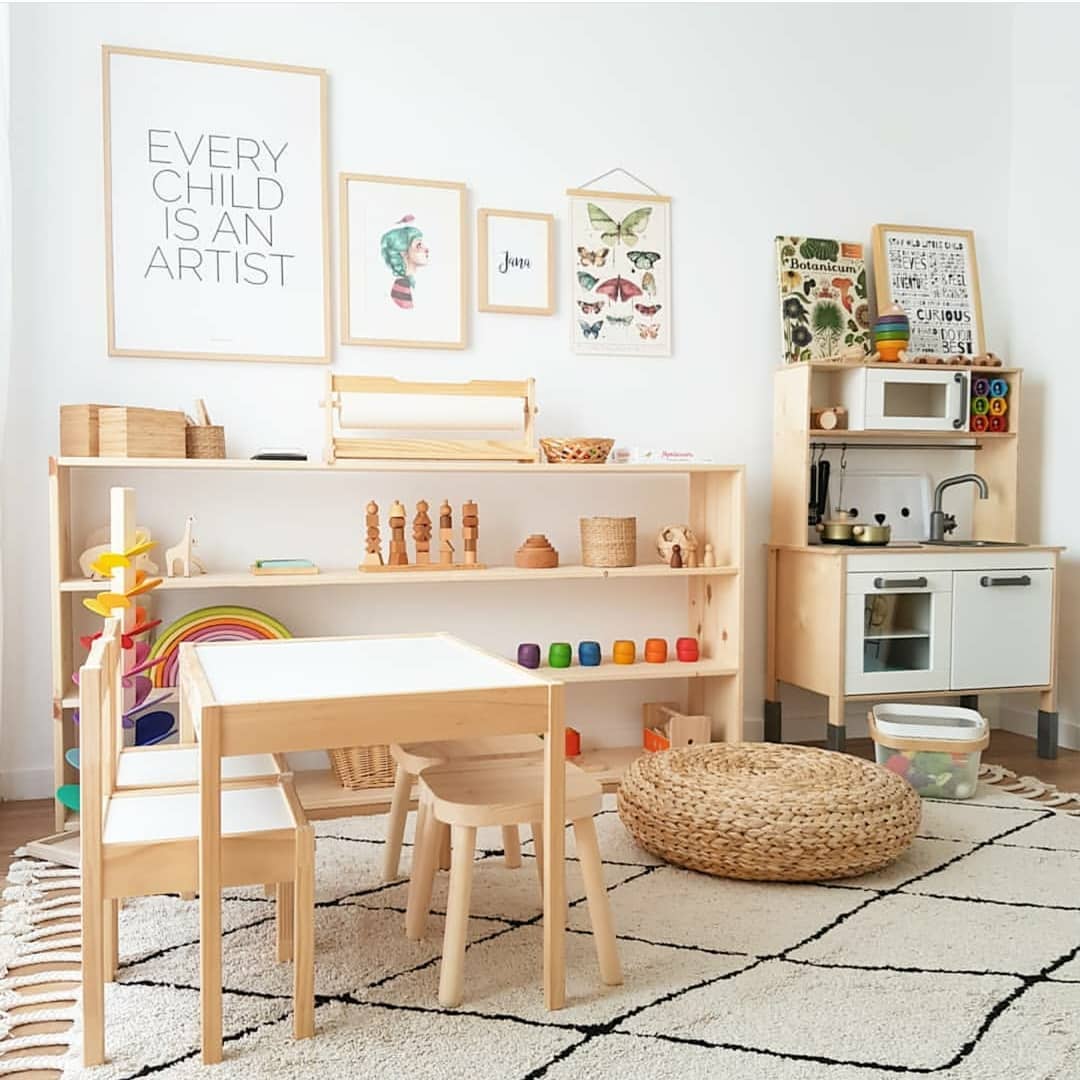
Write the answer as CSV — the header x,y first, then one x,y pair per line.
x,y
210,885
554,850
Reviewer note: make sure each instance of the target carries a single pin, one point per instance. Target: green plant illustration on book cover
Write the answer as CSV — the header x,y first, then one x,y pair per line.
x,y
824,311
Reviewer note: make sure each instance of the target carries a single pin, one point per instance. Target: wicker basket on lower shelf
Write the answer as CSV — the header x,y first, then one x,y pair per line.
x,y
358,767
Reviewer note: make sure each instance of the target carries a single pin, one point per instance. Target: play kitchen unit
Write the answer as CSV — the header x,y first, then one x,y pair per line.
x,y
895,572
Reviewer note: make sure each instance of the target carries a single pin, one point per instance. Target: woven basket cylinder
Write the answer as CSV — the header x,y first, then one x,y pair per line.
x,y
609,541
358,767
205,441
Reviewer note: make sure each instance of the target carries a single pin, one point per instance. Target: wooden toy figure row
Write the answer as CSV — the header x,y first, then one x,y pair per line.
x,y
421,530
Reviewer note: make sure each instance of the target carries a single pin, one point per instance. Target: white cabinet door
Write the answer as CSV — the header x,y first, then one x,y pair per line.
x,y
897,632
1001,628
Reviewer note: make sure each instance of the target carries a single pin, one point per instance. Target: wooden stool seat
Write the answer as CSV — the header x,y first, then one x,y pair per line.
x,y
414,758
178,766
483,793
471,794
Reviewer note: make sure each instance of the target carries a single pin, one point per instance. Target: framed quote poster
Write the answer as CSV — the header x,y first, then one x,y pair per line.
x,y
515,262
934,276
403,267
216,208
620,257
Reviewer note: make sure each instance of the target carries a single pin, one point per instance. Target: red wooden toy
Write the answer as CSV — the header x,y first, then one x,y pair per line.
x,y
686,649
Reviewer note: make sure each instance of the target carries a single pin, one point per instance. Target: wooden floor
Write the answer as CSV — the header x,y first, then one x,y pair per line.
x,y
23,821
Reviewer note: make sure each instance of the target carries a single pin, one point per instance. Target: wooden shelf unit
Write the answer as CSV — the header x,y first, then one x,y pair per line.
x,y
714,599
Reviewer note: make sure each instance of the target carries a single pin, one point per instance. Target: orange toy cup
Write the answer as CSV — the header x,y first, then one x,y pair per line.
x,y
573,742
623,652
655,650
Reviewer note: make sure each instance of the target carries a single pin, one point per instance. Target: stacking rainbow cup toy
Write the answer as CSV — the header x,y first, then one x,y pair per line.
x,y
892,332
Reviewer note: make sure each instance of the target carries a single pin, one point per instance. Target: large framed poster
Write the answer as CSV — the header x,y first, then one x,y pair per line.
x,y
934,276
403,262
217,215
620,260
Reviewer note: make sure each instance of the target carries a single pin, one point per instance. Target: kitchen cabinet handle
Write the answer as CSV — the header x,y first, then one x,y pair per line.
x,y
902,583
961,420
992,582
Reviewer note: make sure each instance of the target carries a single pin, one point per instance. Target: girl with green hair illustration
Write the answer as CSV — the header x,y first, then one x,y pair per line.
x,y
403,250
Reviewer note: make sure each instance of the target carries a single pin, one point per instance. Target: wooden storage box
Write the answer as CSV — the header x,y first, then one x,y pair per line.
x,y
79,430
141,433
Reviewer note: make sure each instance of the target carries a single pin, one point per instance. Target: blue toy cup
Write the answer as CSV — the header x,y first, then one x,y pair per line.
x,y
589,653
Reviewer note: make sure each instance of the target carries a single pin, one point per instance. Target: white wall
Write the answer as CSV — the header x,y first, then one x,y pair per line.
x,y
1044,181
757,119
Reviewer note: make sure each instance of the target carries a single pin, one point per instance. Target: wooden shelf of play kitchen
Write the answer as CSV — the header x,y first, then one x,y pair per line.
x,y
714,597
808,585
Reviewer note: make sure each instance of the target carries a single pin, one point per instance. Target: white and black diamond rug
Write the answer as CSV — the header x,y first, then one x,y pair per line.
x,y
960,962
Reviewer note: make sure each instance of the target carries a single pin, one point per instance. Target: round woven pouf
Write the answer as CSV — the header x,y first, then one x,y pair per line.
x,y
766,812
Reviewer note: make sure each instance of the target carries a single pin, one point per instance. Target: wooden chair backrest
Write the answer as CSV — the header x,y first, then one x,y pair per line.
x,y
101,709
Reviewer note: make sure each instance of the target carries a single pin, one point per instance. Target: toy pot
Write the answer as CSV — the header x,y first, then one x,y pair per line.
x,y
686,649
528,654
623,652
655,650
573,742
559,654
589,653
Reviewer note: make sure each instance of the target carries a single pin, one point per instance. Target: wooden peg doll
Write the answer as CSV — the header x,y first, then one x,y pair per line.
x,y
676,557
373,544
422,534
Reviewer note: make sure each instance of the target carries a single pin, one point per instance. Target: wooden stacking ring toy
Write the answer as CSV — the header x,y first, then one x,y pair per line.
x,y
588,653
655,650
622,652
560,653
528,654
686,650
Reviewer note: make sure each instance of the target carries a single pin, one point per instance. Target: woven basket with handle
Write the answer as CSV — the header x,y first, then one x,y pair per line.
x,y
577,451
358,767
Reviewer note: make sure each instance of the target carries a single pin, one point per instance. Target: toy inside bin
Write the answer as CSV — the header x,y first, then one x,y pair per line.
x,y
936,748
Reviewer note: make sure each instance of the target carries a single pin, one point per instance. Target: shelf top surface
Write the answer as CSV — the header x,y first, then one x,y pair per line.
x,y
414,466
833,365
905,434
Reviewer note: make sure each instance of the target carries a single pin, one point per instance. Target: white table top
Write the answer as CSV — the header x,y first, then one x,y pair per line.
x,y
304,669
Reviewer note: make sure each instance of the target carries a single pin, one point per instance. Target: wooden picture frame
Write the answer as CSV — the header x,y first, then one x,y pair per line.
x,y
951,324
375,288
135,309
545,275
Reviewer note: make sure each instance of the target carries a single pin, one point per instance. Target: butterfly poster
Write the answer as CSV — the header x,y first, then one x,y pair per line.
x,y
620,273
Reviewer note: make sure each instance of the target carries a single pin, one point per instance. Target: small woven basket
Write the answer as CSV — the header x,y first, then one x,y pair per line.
x,y
358,767
577,451
609,541
205,441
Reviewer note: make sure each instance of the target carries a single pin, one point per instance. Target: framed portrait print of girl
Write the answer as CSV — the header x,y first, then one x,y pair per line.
x,y
403,272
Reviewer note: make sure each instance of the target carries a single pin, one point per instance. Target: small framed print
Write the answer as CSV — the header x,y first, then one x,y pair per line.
x,y
516,262
403,262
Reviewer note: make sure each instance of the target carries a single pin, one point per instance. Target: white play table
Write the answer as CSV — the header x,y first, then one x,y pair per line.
x,y
324,693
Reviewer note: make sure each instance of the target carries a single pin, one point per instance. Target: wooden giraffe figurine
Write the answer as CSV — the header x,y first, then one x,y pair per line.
x,y
181,555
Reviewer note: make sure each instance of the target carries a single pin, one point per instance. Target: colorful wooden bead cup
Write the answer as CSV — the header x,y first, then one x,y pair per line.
x,y
686,649
588,653
573,742
529,654
655,650
622,652
559,654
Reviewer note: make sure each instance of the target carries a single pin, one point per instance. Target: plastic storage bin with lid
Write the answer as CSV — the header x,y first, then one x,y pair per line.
x,y
936,748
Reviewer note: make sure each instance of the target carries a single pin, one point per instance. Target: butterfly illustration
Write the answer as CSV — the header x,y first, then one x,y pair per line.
x,y
619,232
643,260
618,288
648,282
593,258
592,331
590,307
648,330
586,281
620,320
648,310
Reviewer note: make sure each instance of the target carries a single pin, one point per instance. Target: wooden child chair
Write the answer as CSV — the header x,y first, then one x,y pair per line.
x,y
471,794
143,842
413,758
